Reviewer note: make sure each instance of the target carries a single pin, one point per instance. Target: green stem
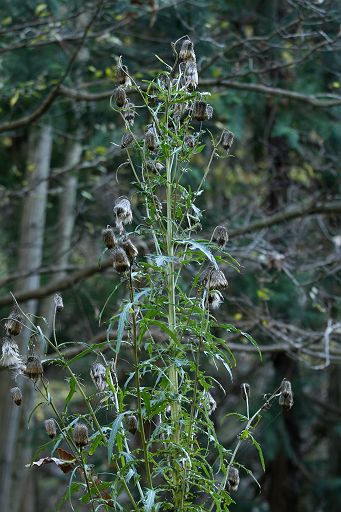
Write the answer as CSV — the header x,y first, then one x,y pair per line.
x,y
138,387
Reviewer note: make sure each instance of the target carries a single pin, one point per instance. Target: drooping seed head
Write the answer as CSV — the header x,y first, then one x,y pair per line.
x,y
187,51
120,260
13,324
202,111
127,139
220,236
50,428
58,302
215,299
227,139
16,395
109,238
122,75
120,96
80,435
132,424
129,113
130,249
122,212
233,478
10,354
286,397
245,390
214,279
151,139
34,368
98,376
191,75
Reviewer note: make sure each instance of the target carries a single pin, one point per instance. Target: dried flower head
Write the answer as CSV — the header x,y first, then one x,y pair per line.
x,y
202,110
127,139
286,397
13,324
227,139
129,113
122,74
215,299
10,354
152,166
122,212
132,424
151,138
189,141
208,402
121,261
34,368
109,238
245,390
98,376
120,96
130,249
191,75
50,427
220,236
16,395
58,302
187,51
233,478
81,435
215,279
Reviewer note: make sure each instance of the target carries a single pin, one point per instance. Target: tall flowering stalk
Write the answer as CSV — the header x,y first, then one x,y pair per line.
x,y
162,449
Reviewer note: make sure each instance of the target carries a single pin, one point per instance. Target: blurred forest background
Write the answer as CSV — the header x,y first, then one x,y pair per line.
x,y
273,70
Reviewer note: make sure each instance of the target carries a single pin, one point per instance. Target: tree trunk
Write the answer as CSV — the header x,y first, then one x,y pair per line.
x,y
65,225
13,431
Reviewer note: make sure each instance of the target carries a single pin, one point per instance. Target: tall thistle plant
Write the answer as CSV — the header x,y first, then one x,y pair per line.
x,y
153,418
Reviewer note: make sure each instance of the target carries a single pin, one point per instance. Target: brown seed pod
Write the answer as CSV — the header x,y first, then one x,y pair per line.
x,y
122,212
215,279
58,302
130,249
127,139
202,110
220,236
81,435
227,139
98,375
286,397
129,113
245,390
120,96
233,478
187,51
16,395
191,75
151,139
132,424
120,260
13,324
122,75
34,368
50,427
10,354
109,238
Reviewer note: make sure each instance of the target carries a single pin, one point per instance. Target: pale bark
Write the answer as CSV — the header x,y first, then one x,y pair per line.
x,y
63,237
30,250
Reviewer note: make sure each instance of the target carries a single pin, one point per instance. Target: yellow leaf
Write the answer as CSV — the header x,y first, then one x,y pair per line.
x,y
14,98
6,21
238,316
263,294
40,9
